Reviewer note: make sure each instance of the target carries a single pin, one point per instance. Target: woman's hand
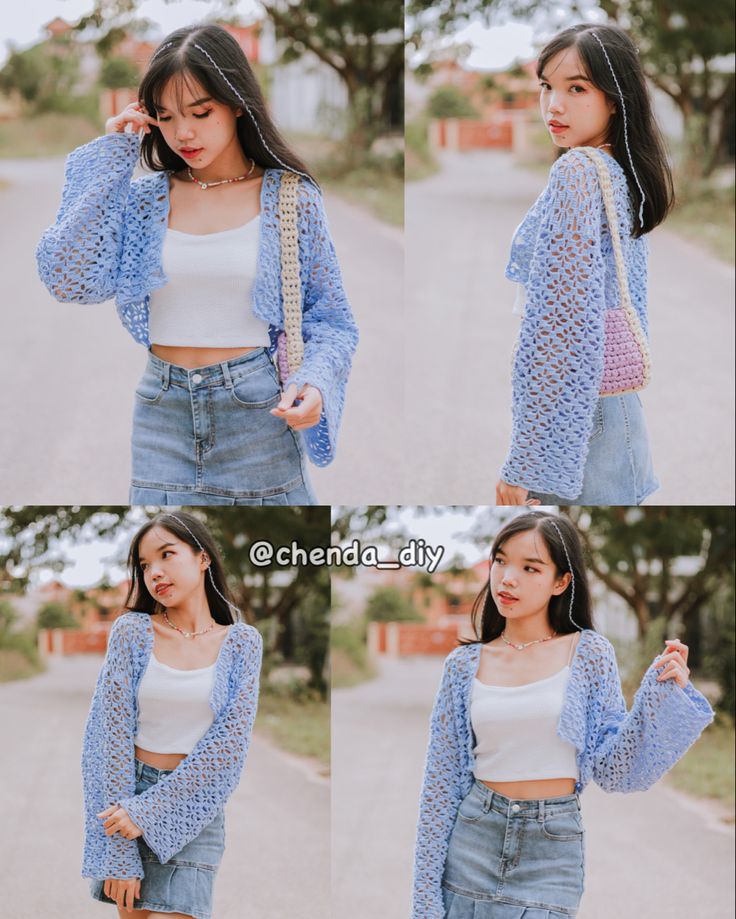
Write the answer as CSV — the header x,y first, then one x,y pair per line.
x,y
123,892
133,114
674,661
513,494
117,821
305,415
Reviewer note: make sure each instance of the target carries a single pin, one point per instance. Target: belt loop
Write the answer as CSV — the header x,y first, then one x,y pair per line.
x,y
541,810
138,770
226,375
488,801
166,374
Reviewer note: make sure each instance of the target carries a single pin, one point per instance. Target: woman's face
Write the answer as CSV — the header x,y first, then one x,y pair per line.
x,y
195,126
524,577
576,113
172,570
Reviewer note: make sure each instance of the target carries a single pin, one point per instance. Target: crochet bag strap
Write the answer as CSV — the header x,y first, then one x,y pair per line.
x,y
290,343
632,318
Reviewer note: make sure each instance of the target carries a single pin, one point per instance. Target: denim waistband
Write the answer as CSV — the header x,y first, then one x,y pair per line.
x,y
212,374
529,807
150,772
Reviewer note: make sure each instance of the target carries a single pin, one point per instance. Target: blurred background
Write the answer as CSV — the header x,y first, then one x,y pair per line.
x,y
332,75
655,573
478,155
63,581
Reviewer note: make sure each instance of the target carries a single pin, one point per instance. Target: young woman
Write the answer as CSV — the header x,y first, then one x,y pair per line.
x,y
169,727
580,258
211,259
525,717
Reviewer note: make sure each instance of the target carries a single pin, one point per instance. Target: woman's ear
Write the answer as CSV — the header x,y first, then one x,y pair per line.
x,y
562,584
205,560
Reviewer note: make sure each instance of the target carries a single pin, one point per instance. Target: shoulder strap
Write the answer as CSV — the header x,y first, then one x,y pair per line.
x,y
609,203
291,289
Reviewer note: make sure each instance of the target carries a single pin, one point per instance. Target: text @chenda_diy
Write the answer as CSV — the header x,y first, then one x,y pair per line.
x,y
415,554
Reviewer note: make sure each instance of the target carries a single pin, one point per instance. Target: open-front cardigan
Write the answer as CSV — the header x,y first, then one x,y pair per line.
x,y
107,242
563,254
618,749
174,810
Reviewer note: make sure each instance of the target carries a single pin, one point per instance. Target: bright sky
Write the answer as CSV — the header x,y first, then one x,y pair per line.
x,y
22,23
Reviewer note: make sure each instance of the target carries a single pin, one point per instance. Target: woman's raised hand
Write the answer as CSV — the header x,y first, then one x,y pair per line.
x,y
123,892
116,820
674,661
306,414
134,115
513,494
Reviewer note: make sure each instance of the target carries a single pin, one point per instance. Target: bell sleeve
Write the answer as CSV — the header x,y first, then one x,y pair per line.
x,y
108,760
328,328
558,363
174,810
634,749
440,799
78,257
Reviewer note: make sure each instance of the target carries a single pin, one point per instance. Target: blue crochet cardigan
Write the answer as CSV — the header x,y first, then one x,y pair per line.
x,y
174,810
620,750
107,242
562,254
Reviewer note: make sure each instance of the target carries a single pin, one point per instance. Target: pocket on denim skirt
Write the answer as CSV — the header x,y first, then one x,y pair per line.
x,y
472,807
150,387
257,388
563,826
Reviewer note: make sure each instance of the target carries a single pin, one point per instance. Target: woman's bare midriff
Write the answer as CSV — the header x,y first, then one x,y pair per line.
x,y
193,358
538,788
159,760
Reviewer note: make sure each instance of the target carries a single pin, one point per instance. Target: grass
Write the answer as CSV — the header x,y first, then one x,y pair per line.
x,y
349,660
50,134
298,723
15,665
705,216
708,769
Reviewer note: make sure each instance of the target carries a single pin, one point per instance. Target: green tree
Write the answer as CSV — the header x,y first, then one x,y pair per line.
x,y
389,604
55,616
450,102
686,47
8,617
45,76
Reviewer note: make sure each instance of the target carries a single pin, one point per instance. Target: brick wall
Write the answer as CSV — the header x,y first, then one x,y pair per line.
x,y
399,639
72,641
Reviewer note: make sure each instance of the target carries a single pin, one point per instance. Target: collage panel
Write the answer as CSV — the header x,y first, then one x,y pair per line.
x,y
220,187
572,359
532,712
181,656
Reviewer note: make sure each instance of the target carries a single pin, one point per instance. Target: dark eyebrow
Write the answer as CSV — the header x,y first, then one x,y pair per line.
x,y
161,108
163,546
537,561
576,78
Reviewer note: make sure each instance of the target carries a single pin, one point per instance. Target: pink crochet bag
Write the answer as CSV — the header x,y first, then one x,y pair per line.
x,y
627,365
289,344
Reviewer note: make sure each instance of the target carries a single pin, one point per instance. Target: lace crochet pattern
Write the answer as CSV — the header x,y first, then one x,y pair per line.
x,y
174,811
107,241
620,750
563,253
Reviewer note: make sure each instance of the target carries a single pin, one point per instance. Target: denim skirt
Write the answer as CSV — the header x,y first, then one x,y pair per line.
x,y
618,469
185,884
514,859
207,436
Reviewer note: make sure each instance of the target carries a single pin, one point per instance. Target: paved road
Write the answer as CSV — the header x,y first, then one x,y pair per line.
x,y
70,370
656,855
276,865
458,308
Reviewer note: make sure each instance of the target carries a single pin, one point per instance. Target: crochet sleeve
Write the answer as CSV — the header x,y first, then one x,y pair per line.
x,y
440,799
634,749
558,364
114,770
328,328
174,810
78,257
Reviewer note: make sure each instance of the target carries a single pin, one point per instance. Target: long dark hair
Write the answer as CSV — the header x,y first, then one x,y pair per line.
x,y
488,622
645,139
140,600
179,58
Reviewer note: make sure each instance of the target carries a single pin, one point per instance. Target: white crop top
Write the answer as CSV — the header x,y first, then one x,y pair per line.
x,y
207,302
173,707
515,729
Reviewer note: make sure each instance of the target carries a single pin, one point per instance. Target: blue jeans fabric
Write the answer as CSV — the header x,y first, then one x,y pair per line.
x,y
618,469
207,436
185,884
509,859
